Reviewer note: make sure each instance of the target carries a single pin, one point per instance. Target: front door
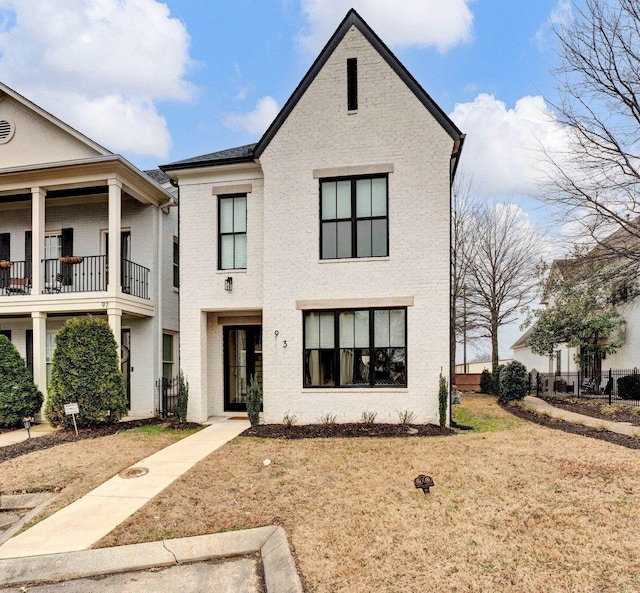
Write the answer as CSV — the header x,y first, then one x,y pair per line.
x,y
242,360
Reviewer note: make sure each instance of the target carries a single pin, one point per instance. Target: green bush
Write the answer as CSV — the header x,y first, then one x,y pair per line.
x,y
86,371
19,397
495,379
629,387
443,394
514,382
254,401
183,398
486,382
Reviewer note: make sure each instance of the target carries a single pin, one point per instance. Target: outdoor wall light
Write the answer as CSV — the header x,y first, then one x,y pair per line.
x,y
228,284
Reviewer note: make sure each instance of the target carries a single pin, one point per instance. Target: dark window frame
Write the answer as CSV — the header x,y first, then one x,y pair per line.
x,y
354,219
221,234
336,349
352,84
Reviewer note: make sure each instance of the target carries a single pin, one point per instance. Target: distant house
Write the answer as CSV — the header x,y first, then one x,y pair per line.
x,y
317,259
84,232
623,296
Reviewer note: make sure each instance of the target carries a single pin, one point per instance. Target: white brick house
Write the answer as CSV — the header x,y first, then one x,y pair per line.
x,y
62,195
318,258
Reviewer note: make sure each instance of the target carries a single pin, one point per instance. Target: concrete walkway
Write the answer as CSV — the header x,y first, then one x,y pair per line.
x,y
87,520
539,405
17,436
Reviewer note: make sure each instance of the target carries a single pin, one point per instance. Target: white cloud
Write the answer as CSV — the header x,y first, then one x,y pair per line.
x,y
439,23
256,121
502,151
561,15
97,64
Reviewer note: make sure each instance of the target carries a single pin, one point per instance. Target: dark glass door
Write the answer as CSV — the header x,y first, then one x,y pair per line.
x,y
242,360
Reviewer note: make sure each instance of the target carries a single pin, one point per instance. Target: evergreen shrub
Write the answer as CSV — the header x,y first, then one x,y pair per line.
x,y
86,371
19,397
495,379
254,401
514,382
183,398
629,387
486,382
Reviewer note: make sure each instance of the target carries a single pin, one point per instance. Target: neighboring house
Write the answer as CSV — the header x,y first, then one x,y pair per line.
x,y
82,231
479,366
564,360
318,259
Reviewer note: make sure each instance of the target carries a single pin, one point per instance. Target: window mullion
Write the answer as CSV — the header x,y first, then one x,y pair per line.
x,y
354,220
372,369
336,348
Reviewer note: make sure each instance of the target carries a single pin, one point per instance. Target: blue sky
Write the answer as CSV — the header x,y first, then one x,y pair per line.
x,y
162,81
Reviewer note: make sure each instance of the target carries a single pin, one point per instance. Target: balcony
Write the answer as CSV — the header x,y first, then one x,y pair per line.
x,y
73,274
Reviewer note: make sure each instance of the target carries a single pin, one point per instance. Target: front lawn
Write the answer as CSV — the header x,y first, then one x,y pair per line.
x,y
518,507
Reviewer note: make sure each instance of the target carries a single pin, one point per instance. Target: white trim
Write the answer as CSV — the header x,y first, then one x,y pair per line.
x,y
357,303
353,170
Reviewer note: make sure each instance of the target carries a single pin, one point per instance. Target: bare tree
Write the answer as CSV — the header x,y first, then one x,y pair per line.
x,y
597,182
502,278
464,205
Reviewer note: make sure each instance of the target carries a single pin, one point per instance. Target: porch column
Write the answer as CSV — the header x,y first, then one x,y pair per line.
x,y
115,246
37,242
115,321
39,320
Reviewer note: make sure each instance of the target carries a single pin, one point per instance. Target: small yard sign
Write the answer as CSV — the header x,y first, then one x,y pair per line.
x,y
72,410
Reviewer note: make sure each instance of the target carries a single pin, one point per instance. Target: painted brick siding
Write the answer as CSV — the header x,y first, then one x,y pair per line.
x,y
203,284
390,126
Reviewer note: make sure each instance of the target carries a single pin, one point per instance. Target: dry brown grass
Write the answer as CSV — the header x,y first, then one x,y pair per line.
x,y
523,509
73,469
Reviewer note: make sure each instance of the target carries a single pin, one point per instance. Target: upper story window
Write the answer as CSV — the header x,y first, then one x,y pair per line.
x,y
352,84
176,263
232,232
355,348
354,219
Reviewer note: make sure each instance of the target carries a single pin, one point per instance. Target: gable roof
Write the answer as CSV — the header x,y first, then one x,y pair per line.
x,y
5,90
353,19
251,152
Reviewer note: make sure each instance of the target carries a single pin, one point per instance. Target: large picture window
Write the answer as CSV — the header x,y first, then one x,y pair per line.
x,y
354,220
232,232
355,348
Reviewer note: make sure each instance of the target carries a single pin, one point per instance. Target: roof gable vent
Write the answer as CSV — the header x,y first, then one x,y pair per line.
x,y
7,129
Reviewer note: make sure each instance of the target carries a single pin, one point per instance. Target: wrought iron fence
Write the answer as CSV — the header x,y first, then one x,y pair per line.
x,y
167,397
612,385
15,277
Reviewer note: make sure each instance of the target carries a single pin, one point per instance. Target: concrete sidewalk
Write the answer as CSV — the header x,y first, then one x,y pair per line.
x,y
87,520
539,405
17,436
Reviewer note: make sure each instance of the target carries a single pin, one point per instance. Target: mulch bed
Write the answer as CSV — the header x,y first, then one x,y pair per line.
x,y
348,430
593,408
69,436
558,424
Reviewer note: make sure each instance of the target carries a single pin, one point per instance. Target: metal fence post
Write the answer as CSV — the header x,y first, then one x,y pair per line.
x,y
610,382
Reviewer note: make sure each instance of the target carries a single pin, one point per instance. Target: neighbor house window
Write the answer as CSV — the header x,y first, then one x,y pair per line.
x,y
232,232
354,220
50,347
355,348
176,263
167,356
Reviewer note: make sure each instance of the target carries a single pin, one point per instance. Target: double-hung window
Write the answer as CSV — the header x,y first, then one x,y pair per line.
x,y
232,232
353,217
355,348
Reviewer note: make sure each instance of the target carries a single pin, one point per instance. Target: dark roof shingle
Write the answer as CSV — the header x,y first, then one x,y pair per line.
x,y
238,154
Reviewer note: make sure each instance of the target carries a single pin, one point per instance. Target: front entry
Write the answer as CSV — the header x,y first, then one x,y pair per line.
x,y
242,360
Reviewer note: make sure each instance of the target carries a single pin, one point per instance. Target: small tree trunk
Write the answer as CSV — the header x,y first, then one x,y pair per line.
x,y
495,358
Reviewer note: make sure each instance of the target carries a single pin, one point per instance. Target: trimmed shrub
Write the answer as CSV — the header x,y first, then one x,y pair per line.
x,y
19,397
486,382
495,379
86,371
183,398
629,387
254,401
514,382
443,394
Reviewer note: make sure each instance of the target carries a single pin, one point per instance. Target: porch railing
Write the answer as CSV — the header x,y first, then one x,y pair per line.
x,y
15,279
135,279
75,274
611,385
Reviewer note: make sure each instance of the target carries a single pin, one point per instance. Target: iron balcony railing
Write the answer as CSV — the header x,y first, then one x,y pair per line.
x,y
15,277
91,274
